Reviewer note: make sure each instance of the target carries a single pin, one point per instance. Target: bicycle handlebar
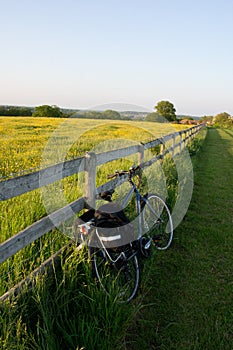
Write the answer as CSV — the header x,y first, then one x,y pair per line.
x,y
129,172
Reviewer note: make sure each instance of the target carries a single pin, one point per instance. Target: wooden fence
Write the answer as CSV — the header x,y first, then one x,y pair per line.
x,y
25,183
173,143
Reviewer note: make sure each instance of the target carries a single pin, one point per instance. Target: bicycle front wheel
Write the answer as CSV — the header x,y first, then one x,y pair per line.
x,y
157,221
118,278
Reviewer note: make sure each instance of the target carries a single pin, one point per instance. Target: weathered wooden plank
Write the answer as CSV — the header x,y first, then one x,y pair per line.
x,y
26,183
151,161
109,156
151,144
112,184
90,178
38,229
167,137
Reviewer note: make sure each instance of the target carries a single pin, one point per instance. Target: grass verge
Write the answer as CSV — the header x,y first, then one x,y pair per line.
x,y
188,290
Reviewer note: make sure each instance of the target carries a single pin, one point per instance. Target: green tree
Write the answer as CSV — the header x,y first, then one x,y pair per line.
x,y
47,111
166,109
25,111
2,110
15,111
223,119
207,119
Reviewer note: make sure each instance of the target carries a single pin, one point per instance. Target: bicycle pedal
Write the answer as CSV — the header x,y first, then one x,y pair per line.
x,y
157,239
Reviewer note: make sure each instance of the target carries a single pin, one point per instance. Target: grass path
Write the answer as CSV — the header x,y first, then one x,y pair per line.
x,y
190,302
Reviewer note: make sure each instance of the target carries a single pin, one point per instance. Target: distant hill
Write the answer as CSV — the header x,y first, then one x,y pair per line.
x,y
120,107
134,115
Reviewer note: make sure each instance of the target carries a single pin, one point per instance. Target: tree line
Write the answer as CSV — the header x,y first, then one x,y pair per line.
x,y
15,111
224,120
57,112
164,112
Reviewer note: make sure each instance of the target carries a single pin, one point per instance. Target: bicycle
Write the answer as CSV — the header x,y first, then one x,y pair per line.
x,y
116,267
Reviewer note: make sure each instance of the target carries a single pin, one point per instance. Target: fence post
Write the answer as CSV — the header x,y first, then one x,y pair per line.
x,y
192,130
162,148
90,178
173,144
190,134
140,154
181,140
185,140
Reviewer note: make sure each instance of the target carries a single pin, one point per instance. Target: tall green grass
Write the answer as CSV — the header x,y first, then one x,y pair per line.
x,y
66,310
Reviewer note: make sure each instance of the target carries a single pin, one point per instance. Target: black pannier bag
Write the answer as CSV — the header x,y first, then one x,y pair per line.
x,y
113,228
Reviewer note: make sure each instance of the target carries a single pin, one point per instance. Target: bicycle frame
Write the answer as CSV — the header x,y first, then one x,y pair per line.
x,y
138,199
108,263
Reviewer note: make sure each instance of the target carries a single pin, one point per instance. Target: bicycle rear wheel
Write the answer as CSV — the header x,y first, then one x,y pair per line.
x,y
119,278
157,221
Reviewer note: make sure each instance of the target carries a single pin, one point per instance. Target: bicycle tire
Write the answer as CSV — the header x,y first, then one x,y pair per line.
x,y
157,221
120,279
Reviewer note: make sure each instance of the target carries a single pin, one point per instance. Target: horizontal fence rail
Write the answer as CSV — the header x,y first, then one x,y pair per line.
x,y
88,163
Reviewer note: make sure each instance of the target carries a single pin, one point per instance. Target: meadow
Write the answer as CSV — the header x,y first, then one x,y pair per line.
x,y
23,139
28,144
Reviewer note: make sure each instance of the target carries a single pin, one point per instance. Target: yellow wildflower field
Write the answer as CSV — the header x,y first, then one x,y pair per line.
x,y
28,144
23,139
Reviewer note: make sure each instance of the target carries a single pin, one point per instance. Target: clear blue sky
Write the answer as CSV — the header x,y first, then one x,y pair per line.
x,y
83,53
